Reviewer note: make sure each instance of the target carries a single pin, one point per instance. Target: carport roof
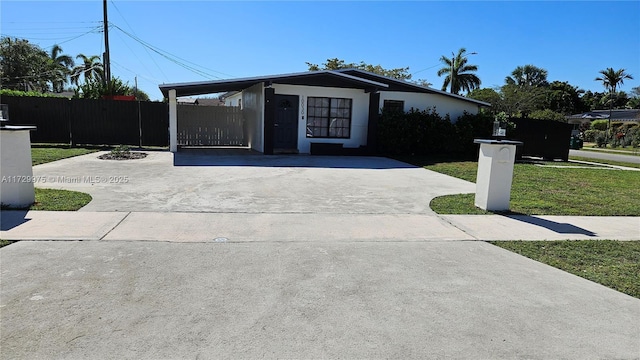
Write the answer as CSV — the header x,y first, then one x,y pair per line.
x,y
326,78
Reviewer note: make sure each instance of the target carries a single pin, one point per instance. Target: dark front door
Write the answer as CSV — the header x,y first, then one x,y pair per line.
x,y
285,131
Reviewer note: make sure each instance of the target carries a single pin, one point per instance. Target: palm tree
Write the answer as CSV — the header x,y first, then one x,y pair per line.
x,y
528,75
61,66
91,68
458,73
610,80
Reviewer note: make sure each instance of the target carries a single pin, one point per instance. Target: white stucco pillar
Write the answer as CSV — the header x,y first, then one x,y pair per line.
x,y
16,188
495,174
173,121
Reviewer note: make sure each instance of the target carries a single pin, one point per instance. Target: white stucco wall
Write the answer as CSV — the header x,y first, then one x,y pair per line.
x,y
233,100
444,104
359,113
253,113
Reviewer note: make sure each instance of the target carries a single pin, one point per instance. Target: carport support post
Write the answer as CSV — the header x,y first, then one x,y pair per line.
x,y
173,121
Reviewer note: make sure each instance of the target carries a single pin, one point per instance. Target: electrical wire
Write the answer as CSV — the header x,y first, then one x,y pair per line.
x,y
176,59
134,33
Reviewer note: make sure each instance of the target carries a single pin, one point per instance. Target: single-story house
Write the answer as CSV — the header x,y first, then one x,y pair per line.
x,y
294,112
617,115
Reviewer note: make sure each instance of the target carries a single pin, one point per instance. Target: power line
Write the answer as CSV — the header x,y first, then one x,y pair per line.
x,y
133,32
176,59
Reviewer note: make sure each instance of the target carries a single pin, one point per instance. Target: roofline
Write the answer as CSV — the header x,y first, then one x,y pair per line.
x,y
272,78
420,87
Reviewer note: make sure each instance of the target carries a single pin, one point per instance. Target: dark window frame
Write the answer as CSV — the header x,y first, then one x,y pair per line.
x,y
393,105
311,116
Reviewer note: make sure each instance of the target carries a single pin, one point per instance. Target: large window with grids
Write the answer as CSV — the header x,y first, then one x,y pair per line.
x,y
328,117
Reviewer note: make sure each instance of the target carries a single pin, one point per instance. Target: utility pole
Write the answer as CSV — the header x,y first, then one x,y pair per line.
x,y
453,59
107,59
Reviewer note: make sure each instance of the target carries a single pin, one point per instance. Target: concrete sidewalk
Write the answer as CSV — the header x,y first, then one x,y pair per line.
x,y
242,227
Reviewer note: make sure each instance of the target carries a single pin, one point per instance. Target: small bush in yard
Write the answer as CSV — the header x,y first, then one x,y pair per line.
x,y
122,152
600,124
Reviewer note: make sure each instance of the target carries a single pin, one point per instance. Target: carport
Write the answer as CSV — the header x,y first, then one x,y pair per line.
x,y
259,115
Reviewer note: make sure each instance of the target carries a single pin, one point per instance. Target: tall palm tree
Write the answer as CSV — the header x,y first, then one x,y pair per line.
x,y
610,80
528,75
459,76
90,68
60,67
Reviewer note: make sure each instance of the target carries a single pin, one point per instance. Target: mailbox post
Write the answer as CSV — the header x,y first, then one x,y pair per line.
x,y
495,173
16,187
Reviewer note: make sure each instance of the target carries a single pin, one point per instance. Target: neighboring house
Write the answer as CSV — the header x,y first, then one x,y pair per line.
x,y
293,112
187,101
617,115
202,102
232,98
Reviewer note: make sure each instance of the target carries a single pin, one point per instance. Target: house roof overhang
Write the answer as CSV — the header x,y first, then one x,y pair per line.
x,y
405,86
323,78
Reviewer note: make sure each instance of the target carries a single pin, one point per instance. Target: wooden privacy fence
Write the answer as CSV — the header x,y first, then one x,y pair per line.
x,y
210,126
87,121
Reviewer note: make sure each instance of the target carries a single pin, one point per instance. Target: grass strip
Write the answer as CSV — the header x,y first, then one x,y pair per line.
x,y
59,200
608,162
43,154
540,190
615,264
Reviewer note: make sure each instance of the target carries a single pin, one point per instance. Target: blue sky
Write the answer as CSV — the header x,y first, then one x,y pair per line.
x,y
572,40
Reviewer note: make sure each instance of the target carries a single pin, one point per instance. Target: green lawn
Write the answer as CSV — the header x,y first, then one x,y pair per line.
x,y
51,199
44,153
59,200
615,264
540,190
608,162
619,150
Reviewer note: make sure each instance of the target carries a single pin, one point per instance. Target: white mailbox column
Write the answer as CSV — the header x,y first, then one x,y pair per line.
x,y
495,173
16,173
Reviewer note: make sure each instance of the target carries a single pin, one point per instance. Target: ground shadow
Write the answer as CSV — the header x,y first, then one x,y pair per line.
x,y
560,228
12,218
249,158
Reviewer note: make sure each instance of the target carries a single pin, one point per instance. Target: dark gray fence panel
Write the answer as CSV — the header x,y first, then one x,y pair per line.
x,y
542,138
49,115
86,121
155,123
107,122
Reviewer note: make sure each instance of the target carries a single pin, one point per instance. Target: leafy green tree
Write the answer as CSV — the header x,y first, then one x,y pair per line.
x,y
564,99
61,66
547,114
140,95
337,64
96,89
528,75
592,100
24,66
459,74
634,100
487,95
520,101
91,68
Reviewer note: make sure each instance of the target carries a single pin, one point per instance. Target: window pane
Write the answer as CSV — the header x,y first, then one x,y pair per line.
x,y
325,102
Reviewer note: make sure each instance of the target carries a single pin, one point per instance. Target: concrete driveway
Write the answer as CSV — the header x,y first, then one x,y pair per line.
x,y
251,184
273,290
